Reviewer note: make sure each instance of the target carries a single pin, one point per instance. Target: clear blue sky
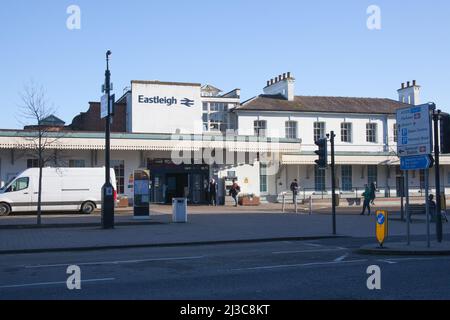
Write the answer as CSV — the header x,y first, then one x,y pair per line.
x,y
233,43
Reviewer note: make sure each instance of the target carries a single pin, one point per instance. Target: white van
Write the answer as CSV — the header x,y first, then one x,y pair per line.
x,y
63,189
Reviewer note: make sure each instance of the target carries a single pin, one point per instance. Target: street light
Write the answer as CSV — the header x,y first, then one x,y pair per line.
x,y
108,190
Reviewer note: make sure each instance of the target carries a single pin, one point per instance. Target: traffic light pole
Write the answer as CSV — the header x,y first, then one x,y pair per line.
x,y
108,190
436,118
333,181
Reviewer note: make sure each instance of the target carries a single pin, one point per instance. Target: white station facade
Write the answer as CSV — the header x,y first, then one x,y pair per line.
x,y
188,133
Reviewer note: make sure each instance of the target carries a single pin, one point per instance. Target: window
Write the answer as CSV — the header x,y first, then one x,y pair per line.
x,y
346,132
372,174
205,119
319,179
77,163
231,174
371,132
263,178
260,127
291,129
395,132
119,169
319,130
347,177
216,121
19,185
32,163
215,117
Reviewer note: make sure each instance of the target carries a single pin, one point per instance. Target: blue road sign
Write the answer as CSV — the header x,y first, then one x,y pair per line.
x,y
381,219
416,162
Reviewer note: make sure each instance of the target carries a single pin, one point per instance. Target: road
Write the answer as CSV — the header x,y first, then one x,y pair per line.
x,y
322,269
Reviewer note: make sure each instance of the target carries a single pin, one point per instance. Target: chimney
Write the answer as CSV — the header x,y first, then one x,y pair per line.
x,y
283,84
409,94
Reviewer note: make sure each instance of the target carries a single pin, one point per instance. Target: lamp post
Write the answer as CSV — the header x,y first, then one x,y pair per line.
x,y
108,190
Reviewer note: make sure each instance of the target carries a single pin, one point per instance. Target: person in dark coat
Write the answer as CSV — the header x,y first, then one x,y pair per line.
x,y
213,192
294,189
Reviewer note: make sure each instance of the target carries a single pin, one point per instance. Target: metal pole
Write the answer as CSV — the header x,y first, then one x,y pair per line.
x,y
310,205
436,118
427,185
402,194
107,190
408,216
333,182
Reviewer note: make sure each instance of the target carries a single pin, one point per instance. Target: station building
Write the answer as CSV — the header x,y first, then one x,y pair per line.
x,y
187,133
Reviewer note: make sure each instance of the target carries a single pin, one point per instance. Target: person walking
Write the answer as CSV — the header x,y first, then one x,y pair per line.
x,y
234,192
213,192
367,198
294,189
433,211
373,190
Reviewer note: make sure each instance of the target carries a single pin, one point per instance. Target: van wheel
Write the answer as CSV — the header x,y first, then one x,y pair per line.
x,y
5,210
87,207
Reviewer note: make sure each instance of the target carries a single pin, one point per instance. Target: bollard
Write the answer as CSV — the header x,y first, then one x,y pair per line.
x,y
295,204
310,205
283,205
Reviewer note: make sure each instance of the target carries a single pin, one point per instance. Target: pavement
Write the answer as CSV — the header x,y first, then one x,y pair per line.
x,y
402,248
207,225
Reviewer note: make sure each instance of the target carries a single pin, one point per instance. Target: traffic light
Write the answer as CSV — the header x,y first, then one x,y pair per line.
x,y
322,162
445,133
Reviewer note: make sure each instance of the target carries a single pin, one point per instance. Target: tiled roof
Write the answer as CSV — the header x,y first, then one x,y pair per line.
x,y
322,104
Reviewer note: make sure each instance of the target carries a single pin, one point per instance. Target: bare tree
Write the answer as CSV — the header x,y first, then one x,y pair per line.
x,y
41,138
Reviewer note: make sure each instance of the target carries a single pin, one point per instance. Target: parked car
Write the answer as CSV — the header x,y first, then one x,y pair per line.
x,y
63,189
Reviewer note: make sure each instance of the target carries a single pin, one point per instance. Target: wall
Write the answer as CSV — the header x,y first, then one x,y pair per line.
x,y
164,118
305,128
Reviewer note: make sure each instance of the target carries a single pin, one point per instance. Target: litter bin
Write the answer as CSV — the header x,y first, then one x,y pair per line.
x,y
338,199
443,202
179,210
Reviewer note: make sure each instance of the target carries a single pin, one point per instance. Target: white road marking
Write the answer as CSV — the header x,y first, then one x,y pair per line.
x,y
397,260
341,258
39,284
301,265
113,262
313,244
308,251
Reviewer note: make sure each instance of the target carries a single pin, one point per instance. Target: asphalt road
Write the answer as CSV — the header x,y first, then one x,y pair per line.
x,y
322,269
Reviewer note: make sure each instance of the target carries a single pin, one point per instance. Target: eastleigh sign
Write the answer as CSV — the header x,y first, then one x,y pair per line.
x,y
165,101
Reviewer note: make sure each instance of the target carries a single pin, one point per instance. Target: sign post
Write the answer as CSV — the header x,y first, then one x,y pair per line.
x,y
414,148
382,226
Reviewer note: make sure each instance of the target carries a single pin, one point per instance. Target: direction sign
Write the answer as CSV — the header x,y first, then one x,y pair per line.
x,y
104,106
414,131
416,162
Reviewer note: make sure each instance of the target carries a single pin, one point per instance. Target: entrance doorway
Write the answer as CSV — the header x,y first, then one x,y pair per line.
x,y
177,186
178,181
